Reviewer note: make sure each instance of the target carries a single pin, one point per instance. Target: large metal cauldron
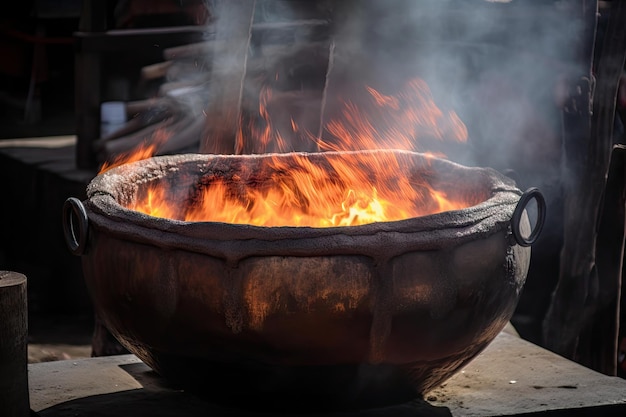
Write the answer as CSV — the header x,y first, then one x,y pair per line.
x,y
332,318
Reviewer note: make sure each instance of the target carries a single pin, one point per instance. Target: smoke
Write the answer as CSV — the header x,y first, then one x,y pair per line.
x,y
499,65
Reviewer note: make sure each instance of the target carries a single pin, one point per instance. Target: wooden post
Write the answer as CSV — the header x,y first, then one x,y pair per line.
x,y
87,86
14,399
587,288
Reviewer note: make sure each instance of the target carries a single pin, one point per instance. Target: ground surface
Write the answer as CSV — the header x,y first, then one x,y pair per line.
x,y
54,337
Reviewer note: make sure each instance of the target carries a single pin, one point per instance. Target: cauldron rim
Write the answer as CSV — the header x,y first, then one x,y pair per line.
x,y
434,231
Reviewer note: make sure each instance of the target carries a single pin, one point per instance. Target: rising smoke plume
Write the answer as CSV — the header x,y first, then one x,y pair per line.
x,y
498,65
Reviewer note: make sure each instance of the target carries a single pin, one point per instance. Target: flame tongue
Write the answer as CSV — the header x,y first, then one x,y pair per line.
x,y
315,190
345,188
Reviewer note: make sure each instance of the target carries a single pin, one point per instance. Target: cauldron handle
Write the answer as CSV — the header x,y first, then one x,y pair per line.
x,y
527,196
75,225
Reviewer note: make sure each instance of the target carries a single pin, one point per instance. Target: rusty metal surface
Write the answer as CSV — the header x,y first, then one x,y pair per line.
x,y
340,317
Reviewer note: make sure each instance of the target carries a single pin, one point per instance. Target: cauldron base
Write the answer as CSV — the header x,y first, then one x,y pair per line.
x,y
263,387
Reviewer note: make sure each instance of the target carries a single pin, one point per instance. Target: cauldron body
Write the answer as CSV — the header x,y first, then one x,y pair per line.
x,y
336,318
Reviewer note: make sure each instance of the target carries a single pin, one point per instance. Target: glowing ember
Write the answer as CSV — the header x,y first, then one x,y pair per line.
x,y
347,189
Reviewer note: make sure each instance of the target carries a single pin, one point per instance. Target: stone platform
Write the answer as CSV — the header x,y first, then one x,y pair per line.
x,y
512,377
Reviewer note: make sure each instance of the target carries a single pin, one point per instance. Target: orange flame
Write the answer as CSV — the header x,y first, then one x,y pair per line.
x,y
144,151
347,190
402,121
344,189
154,204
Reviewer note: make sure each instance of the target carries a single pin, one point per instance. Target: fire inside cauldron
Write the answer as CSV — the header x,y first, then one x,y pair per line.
x,y
337,314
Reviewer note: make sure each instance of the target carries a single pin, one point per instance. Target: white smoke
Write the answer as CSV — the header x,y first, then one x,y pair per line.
x,y
497,64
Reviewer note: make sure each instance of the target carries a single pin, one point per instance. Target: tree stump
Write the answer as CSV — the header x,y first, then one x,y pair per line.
x,y
14,399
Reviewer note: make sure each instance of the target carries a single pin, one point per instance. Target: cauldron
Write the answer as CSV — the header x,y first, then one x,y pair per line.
x,y
335,318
